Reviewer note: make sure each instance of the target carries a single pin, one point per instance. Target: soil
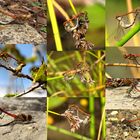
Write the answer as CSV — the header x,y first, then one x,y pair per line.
x,y
35,130
117,129
117,98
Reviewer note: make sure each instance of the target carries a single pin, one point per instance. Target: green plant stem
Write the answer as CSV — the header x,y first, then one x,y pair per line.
x,y
61,10
101,124
92,119
52,112
100,72
65,132
47,113
103,118
54,25
55,78
72,6
128,36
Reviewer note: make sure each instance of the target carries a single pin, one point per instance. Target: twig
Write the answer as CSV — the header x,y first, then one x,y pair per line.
x,y
55,113
31,89
63,72
122,65
19,74
100,59
101,123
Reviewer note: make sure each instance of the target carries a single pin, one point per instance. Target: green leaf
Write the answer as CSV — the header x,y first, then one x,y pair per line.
x,y
41,76
43,29
36,4
11,95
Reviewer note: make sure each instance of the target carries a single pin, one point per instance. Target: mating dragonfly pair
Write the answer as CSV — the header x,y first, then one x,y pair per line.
x,y
125,23
76,117
82,71
19,118
133,83
78,26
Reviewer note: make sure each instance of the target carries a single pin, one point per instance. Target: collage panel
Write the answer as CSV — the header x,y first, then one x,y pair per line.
x,y
122,23
76,73
122,124
23,118
64,73
23,22
123,62
76,25
74,118
23,70
122,93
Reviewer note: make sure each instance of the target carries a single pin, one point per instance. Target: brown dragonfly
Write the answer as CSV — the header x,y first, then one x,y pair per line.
x,y
20,13
78,26
134,89
118,82
82,71
133,57
17,118
129,123
9,61
76,117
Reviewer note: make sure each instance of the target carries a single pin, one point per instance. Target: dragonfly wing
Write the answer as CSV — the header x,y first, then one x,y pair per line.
x,y
119,34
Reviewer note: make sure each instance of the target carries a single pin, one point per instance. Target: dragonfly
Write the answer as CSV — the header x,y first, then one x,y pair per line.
x,y
123,23
8,16
76,117
118,82
16,118
78,26
10,61
76,22
133,83
82,71
134,89
133,57
129,123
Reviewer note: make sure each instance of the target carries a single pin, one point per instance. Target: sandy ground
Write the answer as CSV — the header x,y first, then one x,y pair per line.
x,y
36,130
117,98
20,34
118,130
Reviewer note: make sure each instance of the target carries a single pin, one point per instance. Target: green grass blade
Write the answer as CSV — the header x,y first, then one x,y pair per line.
x,y
92,119
68,133
55,78
72,6
54,25
128,36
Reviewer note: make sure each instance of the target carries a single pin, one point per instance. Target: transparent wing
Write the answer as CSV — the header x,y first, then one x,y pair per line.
x,y
120,33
